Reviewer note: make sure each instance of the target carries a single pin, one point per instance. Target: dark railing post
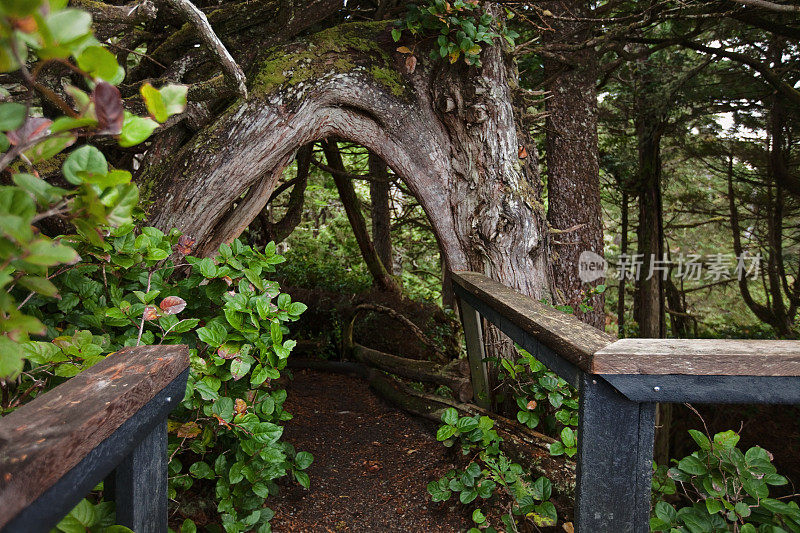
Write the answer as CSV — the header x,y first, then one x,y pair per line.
x,y
140,484
615,453
107,423
619,382
473,337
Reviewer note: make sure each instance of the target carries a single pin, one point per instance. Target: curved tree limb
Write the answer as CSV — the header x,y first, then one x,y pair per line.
x,y
278,231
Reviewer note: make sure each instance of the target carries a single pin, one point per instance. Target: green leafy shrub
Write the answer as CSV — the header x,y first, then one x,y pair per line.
x,y
225,436
543,399
460,28
728,491
95,518
34,33
311,266
489,474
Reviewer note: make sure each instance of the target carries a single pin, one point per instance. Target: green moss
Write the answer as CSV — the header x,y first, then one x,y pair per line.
x,y
389,78
328,52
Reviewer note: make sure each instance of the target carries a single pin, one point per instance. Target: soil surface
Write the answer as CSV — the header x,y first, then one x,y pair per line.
x,y
372,463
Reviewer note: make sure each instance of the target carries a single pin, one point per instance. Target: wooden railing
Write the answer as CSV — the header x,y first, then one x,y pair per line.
x,y
619,382
107,423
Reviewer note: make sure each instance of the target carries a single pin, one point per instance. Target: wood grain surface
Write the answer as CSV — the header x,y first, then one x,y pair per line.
x,y
563,333
699,357
44,439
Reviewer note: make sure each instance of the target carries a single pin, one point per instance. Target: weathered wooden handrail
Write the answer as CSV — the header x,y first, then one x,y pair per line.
x,y
109,419
619,382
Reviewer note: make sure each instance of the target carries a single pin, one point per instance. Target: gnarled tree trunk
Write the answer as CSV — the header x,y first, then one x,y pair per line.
x,y
447,130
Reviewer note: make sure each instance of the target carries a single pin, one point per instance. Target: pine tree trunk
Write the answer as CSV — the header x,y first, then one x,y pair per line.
x,y
649,303
623,250
573,173
650,233
380,211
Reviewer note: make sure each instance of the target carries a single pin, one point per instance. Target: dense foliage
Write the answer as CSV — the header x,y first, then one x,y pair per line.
x,y
110,285
728,490
490,473
94,194
126,292
462,27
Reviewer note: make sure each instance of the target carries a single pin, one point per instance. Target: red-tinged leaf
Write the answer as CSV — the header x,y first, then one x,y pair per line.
x,y
227,352
411,64
172,305
523,153
33,129
185,244
531,405
150,312
240,406
222,421
108,108
25,24
188,430
228,280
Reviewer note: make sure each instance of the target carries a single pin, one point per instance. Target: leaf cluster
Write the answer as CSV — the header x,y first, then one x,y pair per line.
x,y
461,28
490,475
729,491
127,291
34,33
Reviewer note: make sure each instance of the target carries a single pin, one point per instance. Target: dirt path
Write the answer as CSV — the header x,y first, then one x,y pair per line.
x,y
371,463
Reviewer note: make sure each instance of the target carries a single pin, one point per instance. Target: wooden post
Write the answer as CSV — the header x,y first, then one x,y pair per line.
x,y
140,484
473,336
615,454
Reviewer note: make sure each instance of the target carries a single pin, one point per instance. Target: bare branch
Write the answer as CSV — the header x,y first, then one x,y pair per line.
x,y
772,6
199,20
789,92
129,14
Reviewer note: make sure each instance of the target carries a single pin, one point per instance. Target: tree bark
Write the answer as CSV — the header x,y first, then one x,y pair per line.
x,y
448,131
650,231
650,289
623,250
573,172
380,211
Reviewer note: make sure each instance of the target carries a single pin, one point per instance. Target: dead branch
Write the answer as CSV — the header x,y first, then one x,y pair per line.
x,y
199,20
772,6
